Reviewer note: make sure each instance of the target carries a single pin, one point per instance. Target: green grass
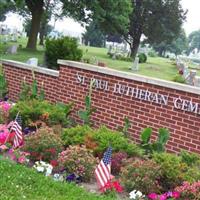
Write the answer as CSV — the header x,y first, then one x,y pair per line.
x,y
156,67
19,182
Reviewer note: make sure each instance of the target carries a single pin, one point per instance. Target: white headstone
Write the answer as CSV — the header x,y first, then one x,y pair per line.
x,y
197,81
135,66
32,61
191,77
12,49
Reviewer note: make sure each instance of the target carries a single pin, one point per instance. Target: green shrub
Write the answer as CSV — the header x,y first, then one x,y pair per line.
x,y
142,58
189,158
43,145
3,86
75,135
152,53
105,137
62,48
142,175
172,169
78,160
34,110
98,140
179,78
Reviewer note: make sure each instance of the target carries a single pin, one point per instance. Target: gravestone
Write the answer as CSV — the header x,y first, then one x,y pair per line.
x,y
185,71
12,49
135,66
197,81
32,61
191,77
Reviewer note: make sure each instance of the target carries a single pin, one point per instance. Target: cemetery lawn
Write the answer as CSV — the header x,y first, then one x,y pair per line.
x,y
19,182
156,67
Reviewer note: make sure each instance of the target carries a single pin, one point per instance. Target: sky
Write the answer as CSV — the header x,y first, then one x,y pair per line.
x,y
70,27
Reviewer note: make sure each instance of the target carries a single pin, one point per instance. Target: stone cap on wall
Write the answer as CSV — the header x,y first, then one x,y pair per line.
x,y
31,67
132,76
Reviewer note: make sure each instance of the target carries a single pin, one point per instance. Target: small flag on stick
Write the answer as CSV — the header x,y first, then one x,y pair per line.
x,y
17,128
103,170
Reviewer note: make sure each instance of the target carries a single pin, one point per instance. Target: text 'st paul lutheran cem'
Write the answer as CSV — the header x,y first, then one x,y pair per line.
x,y
147,102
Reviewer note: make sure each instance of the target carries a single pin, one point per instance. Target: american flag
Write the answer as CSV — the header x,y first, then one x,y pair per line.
x,y
17,128
103,170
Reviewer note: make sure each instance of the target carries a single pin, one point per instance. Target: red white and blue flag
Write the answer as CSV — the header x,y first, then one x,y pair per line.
x,y
103,170
17,128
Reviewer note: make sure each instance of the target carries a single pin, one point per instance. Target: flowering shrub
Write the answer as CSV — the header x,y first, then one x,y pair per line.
x,y
78,160
189,191
165,196
4,111
172,170
44,144
117,162
142,175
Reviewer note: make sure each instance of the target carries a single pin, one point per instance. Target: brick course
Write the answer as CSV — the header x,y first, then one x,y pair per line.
x,y
112,108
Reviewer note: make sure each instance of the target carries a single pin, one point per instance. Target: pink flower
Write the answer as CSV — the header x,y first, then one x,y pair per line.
x,y
163,197
153,196
175,195
21,159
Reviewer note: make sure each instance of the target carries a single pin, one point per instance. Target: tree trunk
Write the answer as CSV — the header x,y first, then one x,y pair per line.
x,y
35,26
42,33
134,47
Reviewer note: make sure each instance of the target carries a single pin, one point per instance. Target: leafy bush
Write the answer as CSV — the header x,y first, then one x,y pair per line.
x,y
43,145
75,135
62,48
157,146
34,110
3,87
189,191
78,160
189,158
142,58
179,78
152,53
100,139
104,136
117,162
141,175
172,169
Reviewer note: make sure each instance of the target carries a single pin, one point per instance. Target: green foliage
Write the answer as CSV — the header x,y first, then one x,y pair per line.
x,y
172,170
33,110
179,78
100,138
189,158
141,175
142,58
159,145
152,53
3,86
105,137
194,41
85,115
19,182
29,92
78,160
43,145
62,48
126,126
94,36
75,135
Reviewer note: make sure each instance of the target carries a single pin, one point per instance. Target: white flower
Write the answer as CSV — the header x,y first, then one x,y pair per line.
x,y
135,194
40,169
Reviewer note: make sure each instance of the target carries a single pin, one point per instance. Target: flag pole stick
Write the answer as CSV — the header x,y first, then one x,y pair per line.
x,y
11,129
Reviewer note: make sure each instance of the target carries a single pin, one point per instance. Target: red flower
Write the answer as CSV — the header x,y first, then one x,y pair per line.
x,y
54,163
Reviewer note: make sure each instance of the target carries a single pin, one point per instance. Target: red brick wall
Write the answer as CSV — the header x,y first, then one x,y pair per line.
x,y
112,108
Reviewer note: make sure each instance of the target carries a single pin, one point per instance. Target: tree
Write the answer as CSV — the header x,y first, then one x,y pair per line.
x,y
177,46
94,35
194,41
5,7
111,16
158,20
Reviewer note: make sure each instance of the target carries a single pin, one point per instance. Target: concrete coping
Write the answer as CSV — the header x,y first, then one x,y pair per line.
x,y
132,76
31,67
